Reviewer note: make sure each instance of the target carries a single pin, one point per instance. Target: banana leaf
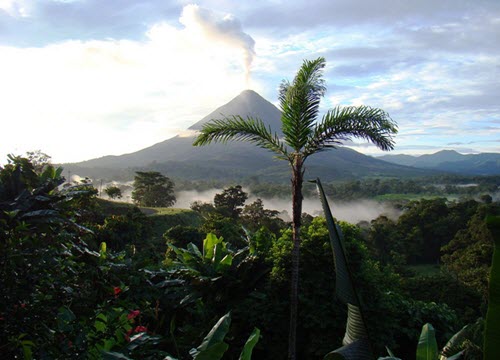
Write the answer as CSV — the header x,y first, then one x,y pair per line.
x,y
246,354
359,349
209,244
427,348
492,325
213,345
454,346
355,327
356,340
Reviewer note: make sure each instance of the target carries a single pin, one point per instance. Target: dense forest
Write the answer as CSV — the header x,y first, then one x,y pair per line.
x,y
86,278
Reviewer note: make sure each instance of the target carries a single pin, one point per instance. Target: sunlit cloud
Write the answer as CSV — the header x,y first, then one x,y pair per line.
x,y
15,8
115,96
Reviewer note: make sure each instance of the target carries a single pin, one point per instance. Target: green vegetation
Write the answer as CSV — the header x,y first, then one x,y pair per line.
x,y
153,189
113,192
87,278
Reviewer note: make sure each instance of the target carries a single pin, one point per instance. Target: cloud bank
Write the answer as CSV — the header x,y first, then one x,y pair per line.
x,y
99,97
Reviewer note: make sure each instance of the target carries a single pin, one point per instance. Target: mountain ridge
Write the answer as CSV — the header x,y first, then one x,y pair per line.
x,y
450,161
236,160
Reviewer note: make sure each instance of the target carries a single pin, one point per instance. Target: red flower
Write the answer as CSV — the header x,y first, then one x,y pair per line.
x,y
140,329
133,314
127,335
116,290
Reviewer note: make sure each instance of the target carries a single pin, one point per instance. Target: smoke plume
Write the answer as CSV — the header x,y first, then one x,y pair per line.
x,y
226,29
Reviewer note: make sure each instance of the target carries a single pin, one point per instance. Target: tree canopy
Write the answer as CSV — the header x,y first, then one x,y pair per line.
x,y
153,189
114,192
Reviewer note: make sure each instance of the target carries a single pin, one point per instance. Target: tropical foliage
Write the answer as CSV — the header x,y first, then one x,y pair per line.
x,y
84,280
153,189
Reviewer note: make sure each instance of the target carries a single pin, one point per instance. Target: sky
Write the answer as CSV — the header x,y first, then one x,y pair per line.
x,y
81,79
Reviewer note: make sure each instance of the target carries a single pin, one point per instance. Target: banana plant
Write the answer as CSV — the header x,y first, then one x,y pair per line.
x,y
356,343
213,259
427,348
213,346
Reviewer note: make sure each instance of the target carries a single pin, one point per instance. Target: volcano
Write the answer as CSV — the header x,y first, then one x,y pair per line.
x,y
177,158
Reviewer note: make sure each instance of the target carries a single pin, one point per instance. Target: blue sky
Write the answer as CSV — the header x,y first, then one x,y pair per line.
x,y
85,78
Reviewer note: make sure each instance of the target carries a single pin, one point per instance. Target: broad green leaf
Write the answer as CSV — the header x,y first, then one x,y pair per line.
x,y
64,318
226,262
357,350
215,352
355,328
27,352
102,251
218,254
100,322
110,355
453,346
108,344
491,327
194,249
215,336
208,245
253,339
391,354
457,356
344,287
427,346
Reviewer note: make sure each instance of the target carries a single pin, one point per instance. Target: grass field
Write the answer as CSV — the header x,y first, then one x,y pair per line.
x,y
165,218
162,219
408,197
413,197
426,269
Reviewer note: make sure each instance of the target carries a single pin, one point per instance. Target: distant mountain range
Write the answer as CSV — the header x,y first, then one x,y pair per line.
x,y
177,158
451,161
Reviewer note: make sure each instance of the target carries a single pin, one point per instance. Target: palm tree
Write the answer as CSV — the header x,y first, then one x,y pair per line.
x,y
303,136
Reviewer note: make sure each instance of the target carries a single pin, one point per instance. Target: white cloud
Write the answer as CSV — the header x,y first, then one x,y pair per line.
x,y
94,98
15,8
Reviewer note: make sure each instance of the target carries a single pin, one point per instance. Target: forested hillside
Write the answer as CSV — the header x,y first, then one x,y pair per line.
x,y
451,161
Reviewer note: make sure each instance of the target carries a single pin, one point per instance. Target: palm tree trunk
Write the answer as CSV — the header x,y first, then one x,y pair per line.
x,y
297,179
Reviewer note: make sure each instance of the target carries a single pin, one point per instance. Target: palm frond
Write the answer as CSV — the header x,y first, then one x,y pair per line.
x,y
235,128
344,123
299,102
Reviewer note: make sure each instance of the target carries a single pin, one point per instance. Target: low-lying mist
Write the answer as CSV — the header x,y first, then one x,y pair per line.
x,y
352,211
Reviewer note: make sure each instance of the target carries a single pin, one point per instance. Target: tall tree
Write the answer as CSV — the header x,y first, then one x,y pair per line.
x,y
151,188
231,201
303,136
113,192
